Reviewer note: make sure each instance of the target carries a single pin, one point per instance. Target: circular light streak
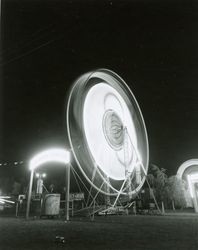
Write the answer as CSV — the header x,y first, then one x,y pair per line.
x,y
106,132
50,155
185,166
189,172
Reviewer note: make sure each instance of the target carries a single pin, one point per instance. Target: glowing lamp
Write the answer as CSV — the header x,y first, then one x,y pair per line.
x,y
43,175
37,175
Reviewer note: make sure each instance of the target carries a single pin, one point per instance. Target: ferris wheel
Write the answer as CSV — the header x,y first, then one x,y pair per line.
x,y
107,133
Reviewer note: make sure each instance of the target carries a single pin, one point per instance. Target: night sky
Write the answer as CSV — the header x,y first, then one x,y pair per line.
x,y
46,45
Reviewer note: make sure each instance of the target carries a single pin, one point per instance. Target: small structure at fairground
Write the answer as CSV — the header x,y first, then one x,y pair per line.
x,y
188,172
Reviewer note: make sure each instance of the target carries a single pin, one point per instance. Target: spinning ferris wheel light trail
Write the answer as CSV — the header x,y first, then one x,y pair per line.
x,y
107,133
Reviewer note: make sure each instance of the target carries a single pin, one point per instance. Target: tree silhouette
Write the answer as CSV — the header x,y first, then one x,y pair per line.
x,y
175,190
157,179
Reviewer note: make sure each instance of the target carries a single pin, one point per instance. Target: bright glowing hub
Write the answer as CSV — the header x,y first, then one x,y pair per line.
x,y
108,130
51,155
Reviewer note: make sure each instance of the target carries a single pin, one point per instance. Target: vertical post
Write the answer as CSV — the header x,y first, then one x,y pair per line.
x,y
194,197
93,215
108,199
163,210
67,191
126,162
72,208
29,194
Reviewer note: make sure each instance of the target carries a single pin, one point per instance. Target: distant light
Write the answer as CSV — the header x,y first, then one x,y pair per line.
x,y
0,164
37,175
15,163
5,164
12,202
4,199
50,155
44,175
21,162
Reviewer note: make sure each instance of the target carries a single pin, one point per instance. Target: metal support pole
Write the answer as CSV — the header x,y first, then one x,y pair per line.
x,y
108,199
93,215
67,191
195,203
29,194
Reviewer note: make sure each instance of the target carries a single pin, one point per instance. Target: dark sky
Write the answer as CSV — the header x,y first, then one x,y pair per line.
x,y
46,45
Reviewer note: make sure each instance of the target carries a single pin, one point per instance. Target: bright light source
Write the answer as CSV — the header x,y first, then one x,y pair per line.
x,y
37,175
4,199
50,155
192,178
44,175
110,132
186,165
190,185
12,202
106,135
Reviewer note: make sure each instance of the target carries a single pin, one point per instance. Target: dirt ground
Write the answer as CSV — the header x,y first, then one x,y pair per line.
x,y
111,232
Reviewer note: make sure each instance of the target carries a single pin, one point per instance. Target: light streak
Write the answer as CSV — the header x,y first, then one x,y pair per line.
x,y
50,155
4,199
192,178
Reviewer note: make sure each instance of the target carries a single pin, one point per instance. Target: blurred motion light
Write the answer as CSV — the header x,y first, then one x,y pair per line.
x,y
50,155
190,185
107,133
4,199
192,178
37,175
